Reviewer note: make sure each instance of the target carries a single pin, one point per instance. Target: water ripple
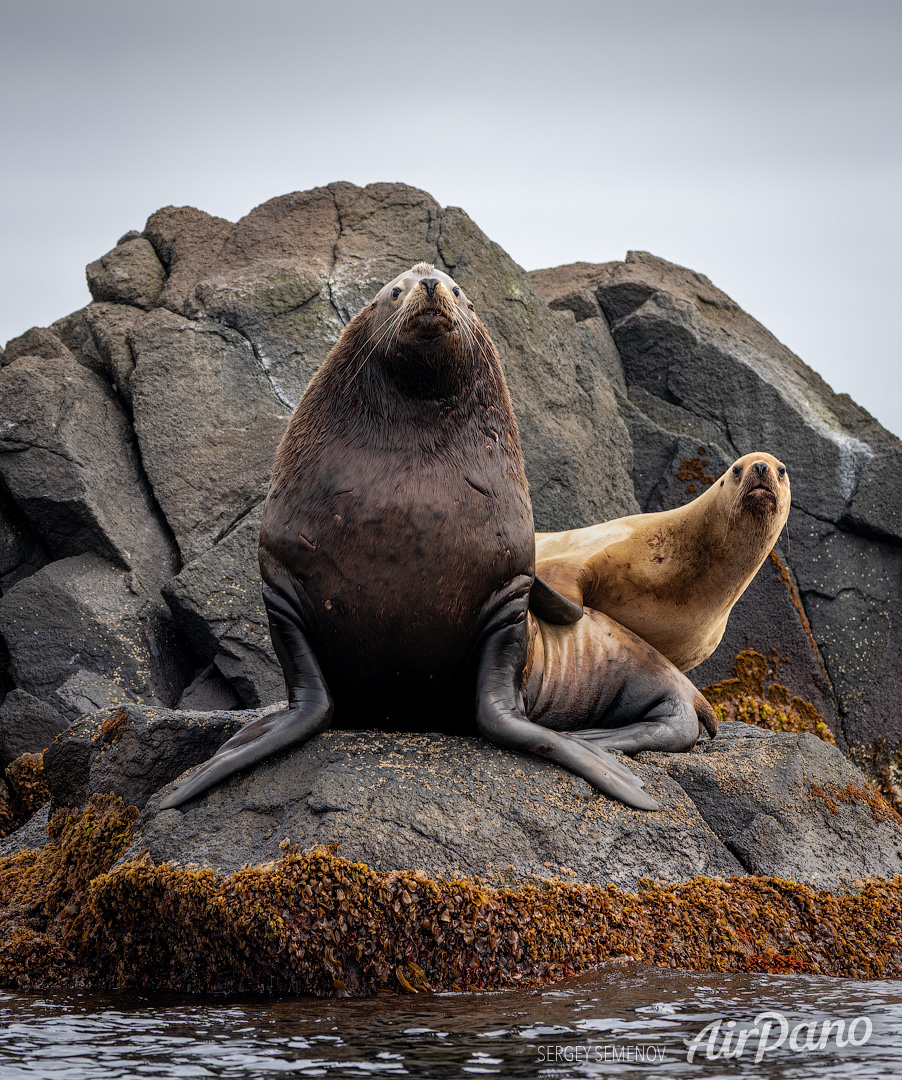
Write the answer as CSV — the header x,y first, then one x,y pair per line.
x,y
619,1021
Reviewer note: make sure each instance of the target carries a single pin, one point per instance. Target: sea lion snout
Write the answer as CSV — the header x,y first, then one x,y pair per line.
x,y
430,285
762,480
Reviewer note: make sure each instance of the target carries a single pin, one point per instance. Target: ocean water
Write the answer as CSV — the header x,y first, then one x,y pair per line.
x,y
618,1021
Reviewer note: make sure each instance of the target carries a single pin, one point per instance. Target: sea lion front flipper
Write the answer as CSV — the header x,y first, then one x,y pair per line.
x,y
499,712
551,605
309,706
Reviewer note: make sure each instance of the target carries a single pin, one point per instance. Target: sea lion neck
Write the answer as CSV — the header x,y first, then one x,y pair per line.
x,y
433,370
717,529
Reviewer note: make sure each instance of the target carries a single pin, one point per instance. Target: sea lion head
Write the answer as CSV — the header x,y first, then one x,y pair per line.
x,y
421,306
759,486
424,332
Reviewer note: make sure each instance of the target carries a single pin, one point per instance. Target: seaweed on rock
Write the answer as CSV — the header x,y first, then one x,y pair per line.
x,y
745,697
314,923
26,792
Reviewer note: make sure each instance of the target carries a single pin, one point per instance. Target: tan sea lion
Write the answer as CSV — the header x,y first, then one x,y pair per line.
x,y
397,550
674,576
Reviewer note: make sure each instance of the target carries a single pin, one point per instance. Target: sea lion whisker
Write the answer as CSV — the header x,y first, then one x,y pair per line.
x,y
385,329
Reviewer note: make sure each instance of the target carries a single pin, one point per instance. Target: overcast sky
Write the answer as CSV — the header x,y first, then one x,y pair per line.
x,y
758,143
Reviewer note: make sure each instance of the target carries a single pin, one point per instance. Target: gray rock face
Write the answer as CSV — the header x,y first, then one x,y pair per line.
x,y
705,380
67,457
186,240
209,692
84,613
132,751
441,805
33,834
110,325
207,422
20,551
295,270
771,603
75,332
129,274
38,341
750,801
27,726
789,806
851,586
218,604
87,692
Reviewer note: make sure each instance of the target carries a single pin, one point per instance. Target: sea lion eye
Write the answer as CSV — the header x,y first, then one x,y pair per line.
x,y
737,471
395,293
456,290
782,471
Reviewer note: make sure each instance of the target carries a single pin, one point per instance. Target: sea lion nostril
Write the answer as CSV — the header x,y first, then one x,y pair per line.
x,y
761,468
429,284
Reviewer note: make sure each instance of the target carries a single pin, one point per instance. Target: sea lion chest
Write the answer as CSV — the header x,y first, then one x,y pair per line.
x,y
397,544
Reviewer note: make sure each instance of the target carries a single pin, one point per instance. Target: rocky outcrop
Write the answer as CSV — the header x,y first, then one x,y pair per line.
x,y
129,274
27,725
217,603
137,435
748,802
443,806
705,383
132,751
789,806
69,461
82,613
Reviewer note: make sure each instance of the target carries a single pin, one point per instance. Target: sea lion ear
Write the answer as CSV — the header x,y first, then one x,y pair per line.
x,y
551,606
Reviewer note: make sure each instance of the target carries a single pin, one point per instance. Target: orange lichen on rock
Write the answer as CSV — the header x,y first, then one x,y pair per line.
x,y
314,923
692,470
832,795
747,697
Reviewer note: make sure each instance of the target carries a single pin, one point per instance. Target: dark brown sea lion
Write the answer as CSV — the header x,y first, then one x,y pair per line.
x,y
673,577
397,549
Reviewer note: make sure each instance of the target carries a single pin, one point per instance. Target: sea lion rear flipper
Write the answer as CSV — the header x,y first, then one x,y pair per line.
x,y
309,706
499,712
706,714
551,605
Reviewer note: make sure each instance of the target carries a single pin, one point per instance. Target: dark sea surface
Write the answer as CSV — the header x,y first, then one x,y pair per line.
x,y
619,1021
